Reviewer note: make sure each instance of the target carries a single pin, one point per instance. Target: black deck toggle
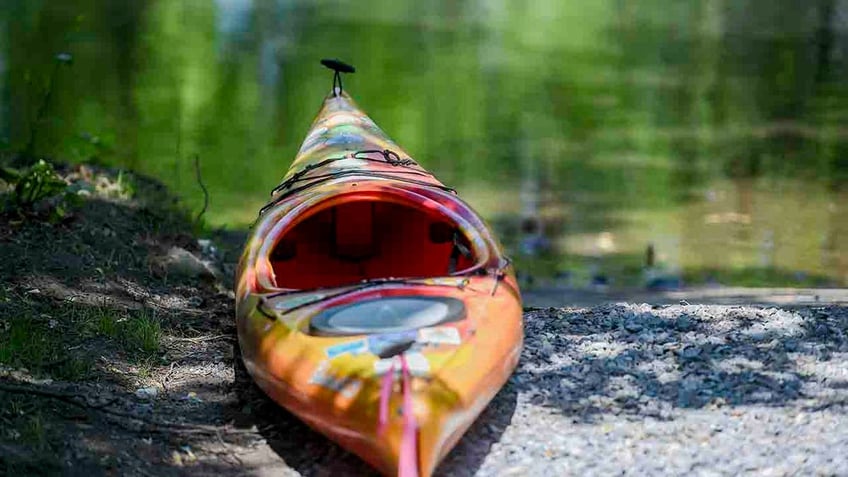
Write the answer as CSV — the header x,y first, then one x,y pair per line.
x,y
338,67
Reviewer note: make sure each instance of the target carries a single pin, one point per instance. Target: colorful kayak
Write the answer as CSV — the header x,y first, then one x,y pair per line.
x,y
372,302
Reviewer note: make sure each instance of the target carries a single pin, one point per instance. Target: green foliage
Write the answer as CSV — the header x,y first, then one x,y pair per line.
x,y
755,277
39,191
39,182
9,175
87,148
125,186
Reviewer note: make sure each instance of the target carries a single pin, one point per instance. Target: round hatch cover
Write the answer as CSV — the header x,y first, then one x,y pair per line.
x,y
387,315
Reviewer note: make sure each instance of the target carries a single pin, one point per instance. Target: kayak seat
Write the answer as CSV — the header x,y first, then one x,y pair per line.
x,y
366,239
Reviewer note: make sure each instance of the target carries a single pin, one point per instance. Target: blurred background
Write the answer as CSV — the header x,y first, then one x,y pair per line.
x,y
610,142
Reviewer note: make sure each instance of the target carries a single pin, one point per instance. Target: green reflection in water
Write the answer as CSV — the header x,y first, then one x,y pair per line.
x,y
715,131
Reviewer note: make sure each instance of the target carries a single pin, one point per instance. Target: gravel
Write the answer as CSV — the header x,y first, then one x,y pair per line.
x,y
669,390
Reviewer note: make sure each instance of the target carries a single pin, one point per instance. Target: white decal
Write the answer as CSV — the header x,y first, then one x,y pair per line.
x,y
440,335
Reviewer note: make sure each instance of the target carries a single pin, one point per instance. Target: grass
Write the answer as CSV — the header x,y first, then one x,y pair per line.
x,y
34,431
100,321
28,429
28,342
137,332
142,332
65,345
30,426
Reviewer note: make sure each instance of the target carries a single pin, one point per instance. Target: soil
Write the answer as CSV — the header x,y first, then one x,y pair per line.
x,y
129,365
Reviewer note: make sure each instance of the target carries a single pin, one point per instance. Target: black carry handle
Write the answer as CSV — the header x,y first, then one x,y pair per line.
x,y
339,67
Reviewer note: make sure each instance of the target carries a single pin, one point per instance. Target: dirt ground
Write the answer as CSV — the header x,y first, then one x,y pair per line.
x,y
118,353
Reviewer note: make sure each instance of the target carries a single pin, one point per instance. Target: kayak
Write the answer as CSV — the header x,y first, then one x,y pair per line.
x,y
371,301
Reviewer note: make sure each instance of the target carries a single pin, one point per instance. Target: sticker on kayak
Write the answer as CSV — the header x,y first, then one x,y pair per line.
x,y
442,281
288,304
440,335
349,347
417,363
348,163
379,343
347,386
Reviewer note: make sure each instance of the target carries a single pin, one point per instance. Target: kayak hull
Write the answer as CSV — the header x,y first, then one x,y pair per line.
x,y
352,387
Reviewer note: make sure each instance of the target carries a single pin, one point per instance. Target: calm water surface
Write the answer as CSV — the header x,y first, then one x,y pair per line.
x,y
709,137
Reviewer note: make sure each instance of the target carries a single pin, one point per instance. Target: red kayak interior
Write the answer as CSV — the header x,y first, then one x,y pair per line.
x,y
366,239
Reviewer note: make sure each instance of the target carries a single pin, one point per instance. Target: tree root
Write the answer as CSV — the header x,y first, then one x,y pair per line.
x,y
119,417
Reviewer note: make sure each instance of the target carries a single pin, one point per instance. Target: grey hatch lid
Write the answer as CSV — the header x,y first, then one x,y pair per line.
x,y
387,315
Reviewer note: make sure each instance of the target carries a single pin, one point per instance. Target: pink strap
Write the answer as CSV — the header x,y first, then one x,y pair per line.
x,y
408,465
385,394
408,443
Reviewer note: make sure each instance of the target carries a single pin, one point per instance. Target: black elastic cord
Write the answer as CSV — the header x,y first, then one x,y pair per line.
x,y
354,172
337,77
389,157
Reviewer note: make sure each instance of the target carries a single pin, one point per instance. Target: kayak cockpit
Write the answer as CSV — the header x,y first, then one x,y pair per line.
x,y
361,239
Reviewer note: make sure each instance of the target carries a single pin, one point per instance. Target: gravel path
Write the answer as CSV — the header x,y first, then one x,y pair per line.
x,y
670,390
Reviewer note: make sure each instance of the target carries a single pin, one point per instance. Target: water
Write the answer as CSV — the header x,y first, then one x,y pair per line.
x,y
709,138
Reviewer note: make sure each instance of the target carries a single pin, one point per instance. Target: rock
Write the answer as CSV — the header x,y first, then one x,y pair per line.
x,y
547,347
192,397
181,262
147,393
632,326
684,323
208,249
690,353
